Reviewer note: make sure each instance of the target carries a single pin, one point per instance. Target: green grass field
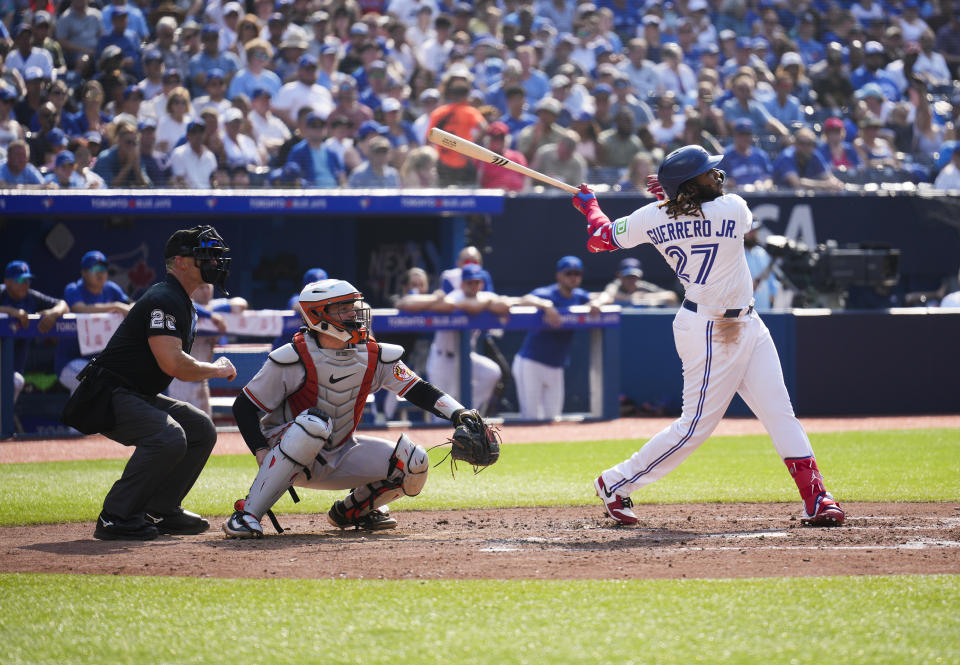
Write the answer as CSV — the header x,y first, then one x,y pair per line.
x,y
101,620
915,465
140,620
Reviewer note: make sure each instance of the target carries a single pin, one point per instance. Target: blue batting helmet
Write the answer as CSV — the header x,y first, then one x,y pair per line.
x,y
683,164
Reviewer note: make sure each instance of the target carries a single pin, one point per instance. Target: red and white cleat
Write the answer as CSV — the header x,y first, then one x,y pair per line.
x,y
618,507
827,512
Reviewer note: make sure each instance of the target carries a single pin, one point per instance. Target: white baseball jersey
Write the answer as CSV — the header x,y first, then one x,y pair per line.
x,y
340,374
706,254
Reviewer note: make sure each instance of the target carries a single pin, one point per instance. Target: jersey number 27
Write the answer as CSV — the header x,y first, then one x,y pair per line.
x,y
709,252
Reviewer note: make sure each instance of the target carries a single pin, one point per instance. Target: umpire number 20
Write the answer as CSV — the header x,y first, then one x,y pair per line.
x,y
158,319
709,252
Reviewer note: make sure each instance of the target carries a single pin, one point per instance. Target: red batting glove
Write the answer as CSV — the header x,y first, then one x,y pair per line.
x,y
655,188
584,199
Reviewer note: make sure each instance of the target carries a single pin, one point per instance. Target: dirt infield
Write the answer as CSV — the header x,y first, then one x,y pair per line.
x,y
671,541
692,541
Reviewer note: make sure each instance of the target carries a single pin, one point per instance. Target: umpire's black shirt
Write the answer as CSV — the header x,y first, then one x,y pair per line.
x,y
165,309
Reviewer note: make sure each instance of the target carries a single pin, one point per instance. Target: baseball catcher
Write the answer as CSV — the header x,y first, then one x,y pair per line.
x,y
299,414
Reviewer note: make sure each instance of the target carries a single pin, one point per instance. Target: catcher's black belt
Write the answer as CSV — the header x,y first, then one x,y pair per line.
x,y
728,314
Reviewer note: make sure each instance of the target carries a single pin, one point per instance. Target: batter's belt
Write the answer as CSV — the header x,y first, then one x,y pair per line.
x,y
733,313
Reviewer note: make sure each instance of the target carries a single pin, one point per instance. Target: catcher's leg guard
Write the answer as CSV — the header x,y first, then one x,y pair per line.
x,y
295,454
406,475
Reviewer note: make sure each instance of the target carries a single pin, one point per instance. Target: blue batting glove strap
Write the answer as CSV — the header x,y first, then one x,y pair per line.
x,y
585,197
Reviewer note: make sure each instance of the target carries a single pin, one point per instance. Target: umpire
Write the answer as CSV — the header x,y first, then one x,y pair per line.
x,y
119,396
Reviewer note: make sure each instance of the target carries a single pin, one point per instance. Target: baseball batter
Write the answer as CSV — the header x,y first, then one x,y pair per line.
x,y
312,392
723,344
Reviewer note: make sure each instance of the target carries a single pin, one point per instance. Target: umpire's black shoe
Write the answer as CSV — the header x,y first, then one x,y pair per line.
x,y
109,528
180,523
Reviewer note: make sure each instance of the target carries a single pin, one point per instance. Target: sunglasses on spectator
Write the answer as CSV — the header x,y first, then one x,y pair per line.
x,y
572,272
21,280
261,56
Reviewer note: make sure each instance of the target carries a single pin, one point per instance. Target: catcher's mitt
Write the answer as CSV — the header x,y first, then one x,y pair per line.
x,y
473,441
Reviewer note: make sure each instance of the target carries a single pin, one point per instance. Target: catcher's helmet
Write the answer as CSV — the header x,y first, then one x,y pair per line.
x,y
351,325
683,164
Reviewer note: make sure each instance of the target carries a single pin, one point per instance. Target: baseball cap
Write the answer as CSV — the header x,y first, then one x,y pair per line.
x,y
548,104
65,157
359,28
232,114
307,60
277,17
147,122
92,258
94,137
370,127
57,137
569,263
559,81
314,274
21,28
390,104
631,266
216,74
7,93
153,55
498,128
832,123
471,271
41,18
870,90
872,48
195,125
18,270
743,126
119,10
726,34
430,93
232,8
327,49
260,92
602,89
132,89
697,5
173,72
210,29
312,118
791,58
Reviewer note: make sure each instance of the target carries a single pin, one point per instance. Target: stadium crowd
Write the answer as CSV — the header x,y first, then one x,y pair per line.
x,y
341,93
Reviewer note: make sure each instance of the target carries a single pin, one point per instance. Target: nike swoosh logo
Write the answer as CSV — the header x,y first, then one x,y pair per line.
x,y
155,520
338,380
105,522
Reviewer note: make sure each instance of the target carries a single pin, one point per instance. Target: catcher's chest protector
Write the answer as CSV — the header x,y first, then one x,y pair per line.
x,y
340,381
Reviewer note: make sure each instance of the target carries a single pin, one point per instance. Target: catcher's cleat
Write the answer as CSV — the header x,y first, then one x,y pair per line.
x,y
109,528
375,520
618,507
180,523
242,525
827,513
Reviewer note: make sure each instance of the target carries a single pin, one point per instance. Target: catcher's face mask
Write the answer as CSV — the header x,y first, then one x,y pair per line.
x,y
209,251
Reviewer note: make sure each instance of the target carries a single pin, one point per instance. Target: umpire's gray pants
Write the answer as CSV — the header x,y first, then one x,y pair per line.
x,y
173,441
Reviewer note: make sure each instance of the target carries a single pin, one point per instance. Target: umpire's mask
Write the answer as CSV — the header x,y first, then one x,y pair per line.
x,y
208,250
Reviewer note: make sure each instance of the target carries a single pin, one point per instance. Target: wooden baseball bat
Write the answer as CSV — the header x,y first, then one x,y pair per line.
x,y
471,149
